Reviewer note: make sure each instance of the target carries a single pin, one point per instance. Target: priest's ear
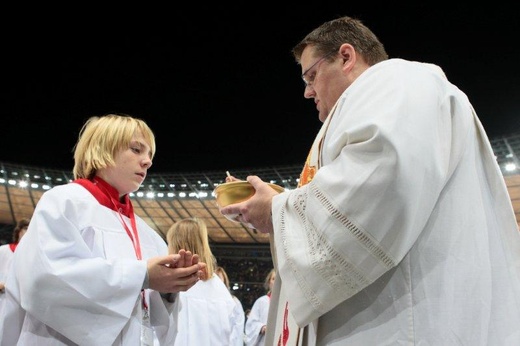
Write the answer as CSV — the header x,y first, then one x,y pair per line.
x,y
348,54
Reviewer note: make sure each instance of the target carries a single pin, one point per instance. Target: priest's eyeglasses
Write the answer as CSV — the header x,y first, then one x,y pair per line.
x,y
308,76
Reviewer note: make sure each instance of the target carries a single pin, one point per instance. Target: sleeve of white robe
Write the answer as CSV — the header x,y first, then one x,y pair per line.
x,y
367,204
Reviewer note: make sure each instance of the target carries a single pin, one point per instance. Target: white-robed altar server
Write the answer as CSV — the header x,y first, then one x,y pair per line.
x,y
401,231
256,324
239,314
206,314
90,271
7,254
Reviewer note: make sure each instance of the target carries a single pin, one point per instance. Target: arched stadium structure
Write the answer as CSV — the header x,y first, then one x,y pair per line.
x,y
166,197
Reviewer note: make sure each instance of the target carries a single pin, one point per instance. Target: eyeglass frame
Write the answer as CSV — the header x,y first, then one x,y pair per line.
x,y
318,62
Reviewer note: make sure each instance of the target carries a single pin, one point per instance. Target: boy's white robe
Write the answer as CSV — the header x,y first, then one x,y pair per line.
x,y
57,290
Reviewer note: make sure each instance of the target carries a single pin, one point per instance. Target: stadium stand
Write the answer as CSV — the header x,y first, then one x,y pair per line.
x,y
167,197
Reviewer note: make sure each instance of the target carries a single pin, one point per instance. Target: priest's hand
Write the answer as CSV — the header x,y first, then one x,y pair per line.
x,y
255,211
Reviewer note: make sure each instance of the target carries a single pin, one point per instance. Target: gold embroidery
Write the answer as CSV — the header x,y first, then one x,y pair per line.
x,y
308,172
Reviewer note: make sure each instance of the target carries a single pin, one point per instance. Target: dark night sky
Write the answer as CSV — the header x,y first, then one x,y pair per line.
x,y
221,90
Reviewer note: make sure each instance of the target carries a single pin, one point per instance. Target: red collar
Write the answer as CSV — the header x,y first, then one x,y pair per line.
x,y
106,195
13,246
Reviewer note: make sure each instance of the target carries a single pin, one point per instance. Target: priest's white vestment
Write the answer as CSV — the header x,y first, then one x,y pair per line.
x,y
405,235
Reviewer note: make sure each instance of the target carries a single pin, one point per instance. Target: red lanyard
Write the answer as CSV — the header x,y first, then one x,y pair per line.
x,y
133,234
134,237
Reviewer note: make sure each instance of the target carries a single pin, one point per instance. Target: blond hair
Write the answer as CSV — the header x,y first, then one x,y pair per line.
x,y
102,137
221,271
271,273
191,234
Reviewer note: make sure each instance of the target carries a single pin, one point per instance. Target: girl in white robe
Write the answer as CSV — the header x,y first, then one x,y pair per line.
x,y
205,315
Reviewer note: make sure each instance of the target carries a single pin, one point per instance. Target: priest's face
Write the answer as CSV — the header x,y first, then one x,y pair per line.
x,y
320,74
324,78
